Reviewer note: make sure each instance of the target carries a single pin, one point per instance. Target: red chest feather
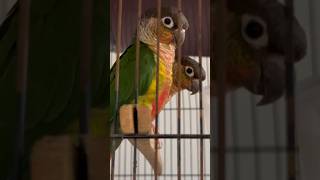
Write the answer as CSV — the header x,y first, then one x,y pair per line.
x,y
162,100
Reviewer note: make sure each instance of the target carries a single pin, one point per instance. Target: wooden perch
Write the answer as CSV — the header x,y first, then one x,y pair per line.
x,y
127,123
145,146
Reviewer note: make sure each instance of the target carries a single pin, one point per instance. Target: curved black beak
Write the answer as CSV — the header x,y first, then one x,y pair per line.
x,y
195,86
180,32
179,36
271,81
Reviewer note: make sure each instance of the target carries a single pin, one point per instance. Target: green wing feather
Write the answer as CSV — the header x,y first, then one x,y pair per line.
x,y
147,69
147,66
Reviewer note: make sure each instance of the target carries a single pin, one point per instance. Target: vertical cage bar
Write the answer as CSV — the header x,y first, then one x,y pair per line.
x,y
256,137
137,70
314,37
290,100
157,84
235,134
190,126
199,39
118,41
212,137
137,80
277,130
22,71
179,105
85,84
164,142
220,59
85,65
171,142
108,61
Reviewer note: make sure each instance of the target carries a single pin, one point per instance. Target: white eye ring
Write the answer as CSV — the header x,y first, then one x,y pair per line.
x,y
259,35
189,71
167,22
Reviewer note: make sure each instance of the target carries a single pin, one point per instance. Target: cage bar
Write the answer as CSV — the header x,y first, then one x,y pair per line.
x,y
220,59
162,136
314,37
118,41
85,65
179,104
276,119
255,134
85,85
199,39
22,71
137,80
290,91
212,137
157,83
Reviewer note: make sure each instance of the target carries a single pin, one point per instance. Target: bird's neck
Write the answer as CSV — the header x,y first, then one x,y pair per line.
x,y
149,37
174,89
166,52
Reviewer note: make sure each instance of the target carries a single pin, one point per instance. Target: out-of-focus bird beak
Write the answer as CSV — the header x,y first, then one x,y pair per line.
x,y
273,77
271,83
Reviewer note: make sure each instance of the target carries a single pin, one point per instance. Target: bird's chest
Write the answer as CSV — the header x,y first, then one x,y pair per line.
x,y
164,85
236,74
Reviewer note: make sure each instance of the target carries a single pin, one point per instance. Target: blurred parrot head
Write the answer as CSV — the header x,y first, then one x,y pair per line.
x,y
257,42
173,25
191,74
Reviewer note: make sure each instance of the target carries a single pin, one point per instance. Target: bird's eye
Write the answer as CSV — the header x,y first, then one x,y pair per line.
x,y
189,71
167,22
254,31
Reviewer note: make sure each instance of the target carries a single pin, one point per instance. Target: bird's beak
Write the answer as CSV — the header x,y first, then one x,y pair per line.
x,y
203,74
271,82
179,36
273,76
195,86
180,32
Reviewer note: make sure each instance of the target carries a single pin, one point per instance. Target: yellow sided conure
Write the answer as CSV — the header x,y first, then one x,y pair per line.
x,y
191,75
187,75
